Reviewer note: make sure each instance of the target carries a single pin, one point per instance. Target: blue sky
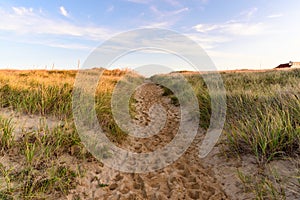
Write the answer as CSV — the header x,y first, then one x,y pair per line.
x,y
234,33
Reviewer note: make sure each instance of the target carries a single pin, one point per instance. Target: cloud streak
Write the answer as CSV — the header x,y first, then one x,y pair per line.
x,y
22,11
232,28
28,21
63,11
249,13
161,18
275,15
158,25
208,42
162,14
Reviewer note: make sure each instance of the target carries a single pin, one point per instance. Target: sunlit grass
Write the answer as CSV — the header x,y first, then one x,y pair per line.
x,y
6,133
47,93
263,112
263,120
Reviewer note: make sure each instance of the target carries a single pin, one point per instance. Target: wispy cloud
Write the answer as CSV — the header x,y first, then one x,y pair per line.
x,y
161,18
66,45
29,25
275,15
161,14
29,21
249,13
205,28
218,33
63,11
208,41
241,26
232,28
176,12
158,25
22,10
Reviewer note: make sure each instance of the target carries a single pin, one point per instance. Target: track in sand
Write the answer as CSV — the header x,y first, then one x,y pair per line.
x,y
186,178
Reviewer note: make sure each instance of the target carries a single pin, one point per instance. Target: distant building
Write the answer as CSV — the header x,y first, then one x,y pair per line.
x,y
289,65
294,64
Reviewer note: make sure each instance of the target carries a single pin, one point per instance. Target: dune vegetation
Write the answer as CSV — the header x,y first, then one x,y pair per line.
x,y
46,93
263,120
263,112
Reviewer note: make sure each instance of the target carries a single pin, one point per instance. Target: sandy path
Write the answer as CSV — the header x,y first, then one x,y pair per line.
x,y
184,179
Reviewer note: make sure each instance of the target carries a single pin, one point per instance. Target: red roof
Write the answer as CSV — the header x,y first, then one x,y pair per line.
x,y
286,65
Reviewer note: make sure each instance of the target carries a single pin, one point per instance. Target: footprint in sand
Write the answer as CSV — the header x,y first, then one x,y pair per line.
x,y
186,178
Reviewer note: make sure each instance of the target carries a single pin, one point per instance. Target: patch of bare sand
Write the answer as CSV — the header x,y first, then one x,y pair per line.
x,y
23,123
226,171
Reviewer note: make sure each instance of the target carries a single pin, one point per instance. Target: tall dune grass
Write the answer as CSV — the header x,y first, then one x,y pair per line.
x,y
263,112
263,108
41,175
50,93
263,119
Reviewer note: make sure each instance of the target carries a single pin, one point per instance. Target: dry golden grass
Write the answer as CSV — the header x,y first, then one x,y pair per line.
x,y
263,112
